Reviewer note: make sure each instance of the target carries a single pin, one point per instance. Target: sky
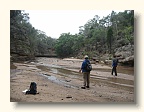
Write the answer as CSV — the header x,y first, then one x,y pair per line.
x,y
56,22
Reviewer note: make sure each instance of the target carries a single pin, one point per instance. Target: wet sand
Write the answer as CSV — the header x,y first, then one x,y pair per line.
x,y
58,80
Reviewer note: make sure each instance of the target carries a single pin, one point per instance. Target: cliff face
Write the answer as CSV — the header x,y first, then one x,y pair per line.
x,y
20,49
125,54
19,42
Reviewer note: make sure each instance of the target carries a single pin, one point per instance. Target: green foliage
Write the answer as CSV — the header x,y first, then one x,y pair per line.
x,y
45,44
64,45
129,35
25,39
97,36
68,45
19,32
110,38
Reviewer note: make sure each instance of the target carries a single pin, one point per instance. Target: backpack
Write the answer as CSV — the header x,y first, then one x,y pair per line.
x,y
89,66
32,89
115,62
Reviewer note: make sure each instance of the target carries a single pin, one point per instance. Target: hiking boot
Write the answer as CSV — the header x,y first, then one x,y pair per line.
x,y
87,86
83,87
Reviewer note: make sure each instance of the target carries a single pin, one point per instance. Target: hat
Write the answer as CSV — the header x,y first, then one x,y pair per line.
x,y
86,56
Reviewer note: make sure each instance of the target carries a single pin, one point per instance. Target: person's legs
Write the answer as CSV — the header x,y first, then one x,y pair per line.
x,y
84,78
88,79
112,70
115,71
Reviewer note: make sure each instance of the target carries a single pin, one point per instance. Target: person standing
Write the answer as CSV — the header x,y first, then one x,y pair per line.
x,y
85,69
114,65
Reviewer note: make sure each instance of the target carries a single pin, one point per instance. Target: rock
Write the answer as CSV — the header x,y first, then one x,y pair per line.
x,y
107,61
20,49
102,61
128,61
125,55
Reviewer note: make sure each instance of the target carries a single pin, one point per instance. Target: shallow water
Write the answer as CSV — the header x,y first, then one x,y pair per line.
x,y
117,82
59,72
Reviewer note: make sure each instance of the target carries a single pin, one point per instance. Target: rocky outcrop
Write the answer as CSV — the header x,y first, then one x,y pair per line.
x,y
125,55
20,49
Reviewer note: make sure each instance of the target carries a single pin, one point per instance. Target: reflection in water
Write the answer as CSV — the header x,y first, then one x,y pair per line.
x,y
60,72
58,81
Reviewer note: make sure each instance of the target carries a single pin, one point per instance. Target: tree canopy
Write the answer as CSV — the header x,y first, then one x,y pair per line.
x,y
25,39
99,36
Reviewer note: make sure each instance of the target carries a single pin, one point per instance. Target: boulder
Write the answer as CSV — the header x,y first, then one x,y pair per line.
x,y
125,55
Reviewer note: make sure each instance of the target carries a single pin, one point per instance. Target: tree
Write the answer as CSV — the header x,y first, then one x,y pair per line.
x,y
25,40
109,38
64,45
19,25
95,37
129,35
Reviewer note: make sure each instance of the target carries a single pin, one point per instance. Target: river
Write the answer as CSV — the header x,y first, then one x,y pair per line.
x,y
64,72
99,74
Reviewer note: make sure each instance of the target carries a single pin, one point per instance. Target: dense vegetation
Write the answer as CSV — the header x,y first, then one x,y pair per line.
x,y
96,37
26,42
99,36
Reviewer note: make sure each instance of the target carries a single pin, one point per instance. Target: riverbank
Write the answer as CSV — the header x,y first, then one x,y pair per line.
x,y
58,80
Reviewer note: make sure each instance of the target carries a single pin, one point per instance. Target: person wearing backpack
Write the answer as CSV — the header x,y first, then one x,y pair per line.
x,y
114,65
85,69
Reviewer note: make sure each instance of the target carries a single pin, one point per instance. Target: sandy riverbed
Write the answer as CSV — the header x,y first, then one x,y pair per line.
x,y
58,80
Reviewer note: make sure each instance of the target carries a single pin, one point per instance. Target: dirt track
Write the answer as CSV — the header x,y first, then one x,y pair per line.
x,y
58,80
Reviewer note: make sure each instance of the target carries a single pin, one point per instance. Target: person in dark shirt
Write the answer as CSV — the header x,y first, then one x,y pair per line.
x,y
86,73
114,65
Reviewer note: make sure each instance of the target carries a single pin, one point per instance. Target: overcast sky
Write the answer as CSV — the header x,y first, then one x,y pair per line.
x,y
56,22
